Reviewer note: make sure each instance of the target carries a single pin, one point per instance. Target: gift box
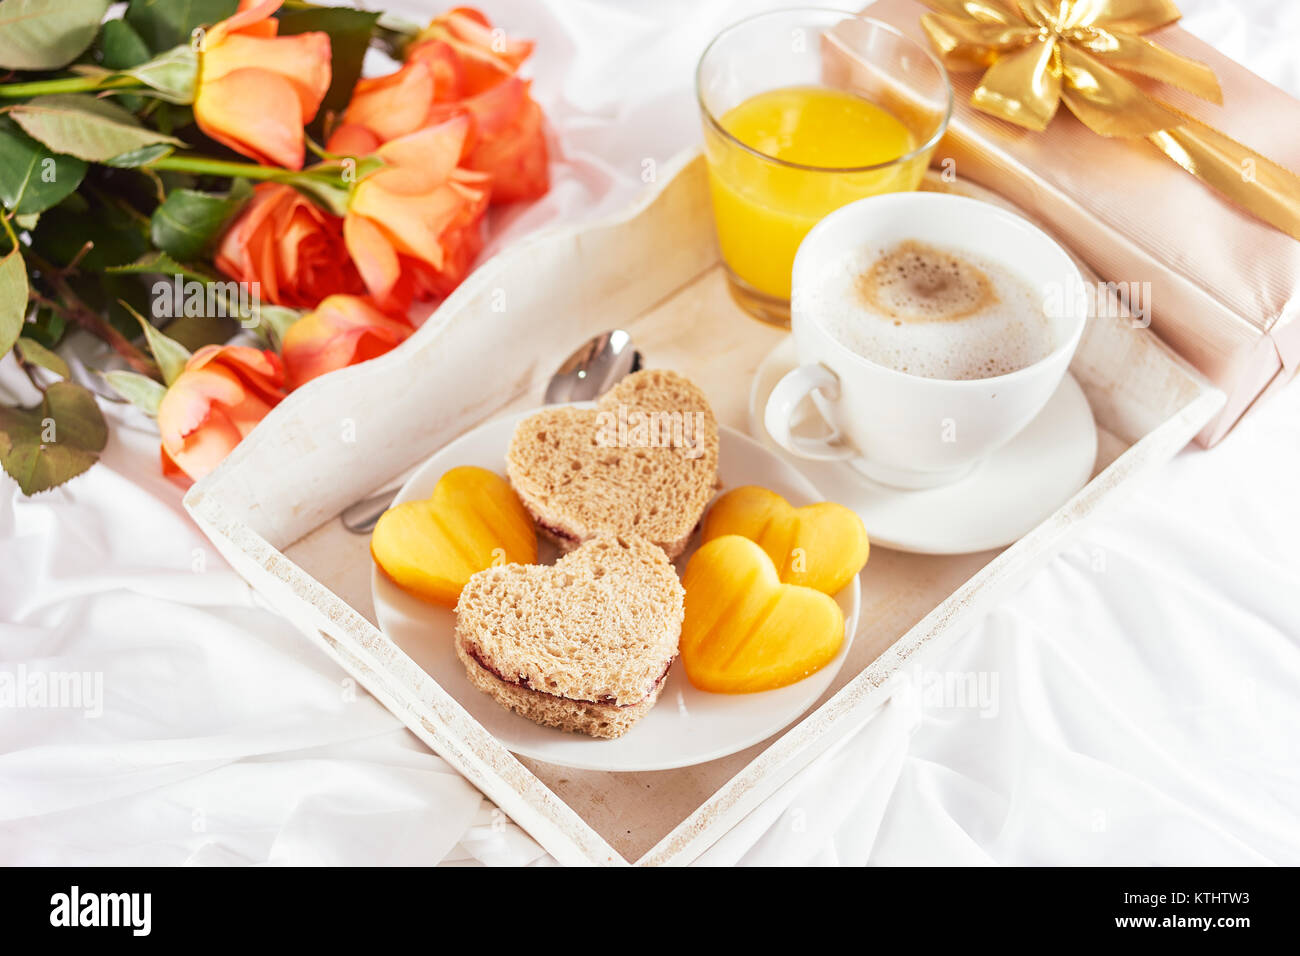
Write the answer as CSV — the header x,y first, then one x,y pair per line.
x,y
1219,285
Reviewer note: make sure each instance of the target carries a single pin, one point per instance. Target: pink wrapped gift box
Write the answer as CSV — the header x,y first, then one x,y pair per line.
x,y
1224,286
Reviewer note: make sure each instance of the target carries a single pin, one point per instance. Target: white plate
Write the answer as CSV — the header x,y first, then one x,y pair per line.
x,y
1007,495
687,726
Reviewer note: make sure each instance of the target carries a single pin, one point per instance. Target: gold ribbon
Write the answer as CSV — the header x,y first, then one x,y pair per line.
x,y
1037,54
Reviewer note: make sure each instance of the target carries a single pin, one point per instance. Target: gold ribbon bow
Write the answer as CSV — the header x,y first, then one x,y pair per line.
x,y
1037,54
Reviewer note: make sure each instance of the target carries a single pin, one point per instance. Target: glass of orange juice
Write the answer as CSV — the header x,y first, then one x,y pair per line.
x,y
804,111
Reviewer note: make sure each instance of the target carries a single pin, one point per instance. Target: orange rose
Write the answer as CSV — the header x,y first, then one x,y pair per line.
x,y
414,226
458,65
256,91
485,53
223,392
343,330
509,140
388,107
290,246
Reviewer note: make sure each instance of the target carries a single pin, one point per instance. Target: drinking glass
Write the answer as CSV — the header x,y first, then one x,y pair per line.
x,y
763,206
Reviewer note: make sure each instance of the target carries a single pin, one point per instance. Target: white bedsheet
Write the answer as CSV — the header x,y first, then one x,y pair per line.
x,y
1139,697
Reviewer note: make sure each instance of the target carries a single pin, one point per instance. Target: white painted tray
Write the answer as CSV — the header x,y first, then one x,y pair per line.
x,y
271,507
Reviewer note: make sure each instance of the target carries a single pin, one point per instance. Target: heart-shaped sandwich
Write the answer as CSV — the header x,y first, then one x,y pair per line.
x,y
644,461
584,644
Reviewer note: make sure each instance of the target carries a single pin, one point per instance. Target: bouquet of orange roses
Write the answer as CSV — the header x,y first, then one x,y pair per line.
x,y
188,174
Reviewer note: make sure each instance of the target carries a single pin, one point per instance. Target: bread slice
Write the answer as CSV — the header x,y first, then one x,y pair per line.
x,y
606,721
644,461
583,645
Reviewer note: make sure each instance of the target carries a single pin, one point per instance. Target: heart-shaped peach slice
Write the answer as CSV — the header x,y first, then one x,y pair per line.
x,y
817,546
744,630
472,521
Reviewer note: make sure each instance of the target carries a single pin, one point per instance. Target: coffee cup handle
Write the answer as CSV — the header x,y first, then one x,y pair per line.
x,y
795,387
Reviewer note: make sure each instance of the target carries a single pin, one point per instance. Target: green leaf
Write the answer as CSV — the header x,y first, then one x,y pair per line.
x,y
151,263
140,390
32,178
13,299
120,47
170,355
396,23
275,321
47,34
165,23
43,446
47,326
170,117
80,125
34,353
172,74
350,32
188,221
196,331
140,157
326,193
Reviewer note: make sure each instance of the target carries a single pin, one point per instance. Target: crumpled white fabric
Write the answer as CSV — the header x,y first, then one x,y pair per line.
x,y
1133,703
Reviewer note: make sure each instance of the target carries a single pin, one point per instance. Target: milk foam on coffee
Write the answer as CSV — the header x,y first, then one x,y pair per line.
x,y
930,311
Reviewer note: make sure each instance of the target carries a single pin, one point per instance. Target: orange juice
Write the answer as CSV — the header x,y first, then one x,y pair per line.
x,y
821,139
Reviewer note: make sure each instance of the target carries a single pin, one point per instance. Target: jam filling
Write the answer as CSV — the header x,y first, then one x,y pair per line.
x,y
522,681
557,532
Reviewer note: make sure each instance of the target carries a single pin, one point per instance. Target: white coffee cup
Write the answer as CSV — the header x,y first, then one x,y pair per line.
x,y
907,430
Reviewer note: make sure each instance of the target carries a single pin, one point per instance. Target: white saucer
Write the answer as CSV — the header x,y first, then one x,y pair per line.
x,y
1005,497
687,726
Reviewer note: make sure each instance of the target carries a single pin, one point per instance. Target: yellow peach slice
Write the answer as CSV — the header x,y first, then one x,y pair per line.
x,y
817,546
744,630
472,521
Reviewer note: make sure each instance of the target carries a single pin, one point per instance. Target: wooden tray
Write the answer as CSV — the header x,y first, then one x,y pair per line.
x,y
271,507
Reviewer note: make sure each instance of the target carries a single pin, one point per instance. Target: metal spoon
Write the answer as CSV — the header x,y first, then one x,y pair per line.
x,y
588,373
